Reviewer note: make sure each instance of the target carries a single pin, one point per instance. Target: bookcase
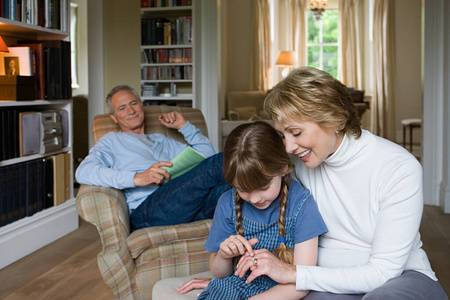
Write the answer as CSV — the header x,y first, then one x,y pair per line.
x,y
29,233
168,63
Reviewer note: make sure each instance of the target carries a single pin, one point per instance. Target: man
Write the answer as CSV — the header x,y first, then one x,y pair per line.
x,y
131,160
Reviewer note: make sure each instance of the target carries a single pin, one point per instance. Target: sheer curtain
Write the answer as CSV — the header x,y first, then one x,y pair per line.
x,y
383,99
349,70
298,37
261,46
290,31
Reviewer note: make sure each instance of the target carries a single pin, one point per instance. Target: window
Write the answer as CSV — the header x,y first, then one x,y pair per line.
x,y
73,43
323,42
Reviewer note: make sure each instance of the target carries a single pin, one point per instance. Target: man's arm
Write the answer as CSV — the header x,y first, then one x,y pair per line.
x,y
192,134
96,169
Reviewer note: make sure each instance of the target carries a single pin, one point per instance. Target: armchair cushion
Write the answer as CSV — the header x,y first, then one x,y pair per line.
x,y
141,240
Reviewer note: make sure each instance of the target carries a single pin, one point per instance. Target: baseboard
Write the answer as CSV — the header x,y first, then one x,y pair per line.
x,y
29,234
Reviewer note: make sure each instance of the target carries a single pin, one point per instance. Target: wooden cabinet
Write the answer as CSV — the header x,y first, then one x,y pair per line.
x,y
27,234
168,63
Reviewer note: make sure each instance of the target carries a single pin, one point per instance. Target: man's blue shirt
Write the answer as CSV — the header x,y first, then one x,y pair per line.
x,y
118,156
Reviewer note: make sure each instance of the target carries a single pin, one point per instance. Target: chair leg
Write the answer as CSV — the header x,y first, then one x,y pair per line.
x,y
404,136
410,138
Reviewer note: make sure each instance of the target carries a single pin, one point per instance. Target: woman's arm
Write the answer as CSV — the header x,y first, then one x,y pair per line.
x,y
304,254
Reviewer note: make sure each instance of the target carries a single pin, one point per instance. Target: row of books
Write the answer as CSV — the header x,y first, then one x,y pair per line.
x,y
166,73
29,187
49,61
45,13
165,3
161,56
160,31
26,133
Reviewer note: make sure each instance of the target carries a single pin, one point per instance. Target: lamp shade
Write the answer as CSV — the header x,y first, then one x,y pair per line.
x,y
3,47
285,58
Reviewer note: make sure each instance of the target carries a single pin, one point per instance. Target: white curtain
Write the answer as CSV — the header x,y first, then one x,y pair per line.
x,y
349,70
290,31
383,99
298,37
261,46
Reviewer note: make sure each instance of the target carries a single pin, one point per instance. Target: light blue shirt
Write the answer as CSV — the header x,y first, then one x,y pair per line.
x,y
118,156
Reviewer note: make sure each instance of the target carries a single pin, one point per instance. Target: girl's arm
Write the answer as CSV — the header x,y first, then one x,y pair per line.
x,y
305,253
221,263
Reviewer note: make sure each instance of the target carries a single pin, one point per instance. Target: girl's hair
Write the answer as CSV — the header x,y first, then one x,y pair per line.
x,y
313,95
253,154
115,90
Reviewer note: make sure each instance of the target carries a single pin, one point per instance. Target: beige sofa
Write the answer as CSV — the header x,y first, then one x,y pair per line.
x,y
132,262
243,107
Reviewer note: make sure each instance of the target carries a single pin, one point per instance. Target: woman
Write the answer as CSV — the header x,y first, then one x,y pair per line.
x,y
368,190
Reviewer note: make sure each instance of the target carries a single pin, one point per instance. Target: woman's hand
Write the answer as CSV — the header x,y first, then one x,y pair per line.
x,y
194,283
236,245
268,265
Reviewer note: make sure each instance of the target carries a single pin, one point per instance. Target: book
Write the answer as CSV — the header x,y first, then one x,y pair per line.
x,y
40,69
57,68
183,162
59,181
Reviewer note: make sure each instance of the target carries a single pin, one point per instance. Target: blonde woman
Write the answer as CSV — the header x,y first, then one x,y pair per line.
x,y
368,190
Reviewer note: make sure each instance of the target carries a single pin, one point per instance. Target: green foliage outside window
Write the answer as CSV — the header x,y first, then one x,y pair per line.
x,y
323,42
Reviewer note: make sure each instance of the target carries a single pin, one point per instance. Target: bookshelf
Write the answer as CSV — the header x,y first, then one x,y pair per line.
x,y
167,52
30,233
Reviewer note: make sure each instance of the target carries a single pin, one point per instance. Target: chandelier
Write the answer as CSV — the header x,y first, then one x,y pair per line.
x,y
317,8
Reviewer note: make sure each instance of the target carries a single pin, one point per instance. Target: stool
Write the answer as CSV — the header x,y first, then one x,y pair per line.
x,y
410,124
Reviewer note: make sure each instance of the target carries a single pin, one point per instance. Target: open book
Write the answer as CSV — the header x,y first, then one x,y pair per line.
x,y
183,162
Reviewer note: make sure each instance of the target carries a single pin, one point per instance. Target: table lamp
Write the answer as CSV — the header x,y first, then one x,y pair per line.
x,y
3,47
286,59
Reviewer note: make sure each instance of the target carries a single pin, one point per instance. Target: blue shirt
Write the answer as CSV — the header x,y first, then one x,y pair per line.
x,y
309,223
118,156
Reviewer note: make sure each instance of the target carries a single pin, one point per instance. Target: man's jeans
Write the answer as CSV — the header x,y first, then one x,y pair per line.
x,y
190,197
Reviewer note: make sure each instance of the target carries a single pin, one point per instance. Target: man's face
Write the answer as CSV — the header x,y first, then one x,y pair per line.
x,y
128,112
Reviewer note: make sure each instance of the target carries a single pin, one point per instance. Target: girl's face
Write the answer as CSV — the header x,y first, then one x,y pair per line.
x,y
262,198
309,141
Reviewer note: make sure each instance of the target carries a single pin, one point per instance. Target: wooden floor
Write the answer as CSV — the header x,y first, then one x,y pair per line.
x,y
67,269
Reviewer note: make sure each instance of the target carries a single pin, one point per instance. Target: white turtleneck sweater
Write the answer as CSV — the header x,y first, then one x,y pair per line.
x,y
370,195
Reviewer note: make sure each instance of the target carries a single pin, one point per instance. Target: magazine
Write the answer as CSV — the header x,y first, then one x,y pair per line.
x,y
183,162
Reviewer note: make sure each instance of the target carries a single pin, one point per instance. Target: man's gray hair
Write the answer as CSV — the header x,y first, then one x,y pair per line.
x,y
118,89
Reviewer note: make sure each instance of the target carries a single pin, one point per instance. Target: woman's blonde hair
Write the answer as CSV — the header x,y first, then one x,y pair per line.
x,y
309,94
253,154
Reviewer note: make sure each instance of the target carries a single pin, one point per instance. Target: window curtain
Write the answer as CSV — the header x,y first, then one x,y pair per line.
x,y
290,32
383,99
349,69
261,46
298,38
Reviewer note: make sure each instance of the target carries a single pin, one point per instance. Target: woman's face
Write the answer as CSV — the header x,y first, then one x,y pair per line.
x,y
309,141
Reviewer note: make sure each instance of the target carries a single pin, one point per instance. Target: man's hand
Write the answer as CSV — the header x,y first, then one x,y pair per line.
x,y
154,174
172,120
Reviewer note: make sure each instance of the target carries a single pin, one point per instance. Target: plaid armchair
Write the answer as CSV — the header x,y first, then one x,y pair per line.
x,y
132,262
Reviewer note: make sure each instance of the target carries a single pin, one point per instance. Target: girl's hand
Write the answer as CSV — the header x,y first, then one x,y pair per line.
x,y
236,245
195,283
268,265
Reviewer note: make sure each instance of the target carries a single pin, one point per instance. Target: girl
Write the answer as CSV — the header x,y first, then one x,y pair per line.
x,y
264,209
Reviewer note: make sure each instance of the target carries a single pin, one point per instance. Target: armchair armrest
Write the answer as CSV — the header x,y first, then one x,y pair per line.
x,y
106,209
